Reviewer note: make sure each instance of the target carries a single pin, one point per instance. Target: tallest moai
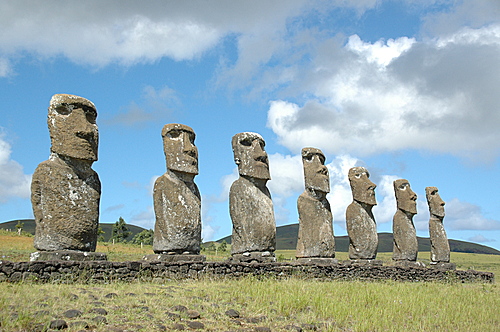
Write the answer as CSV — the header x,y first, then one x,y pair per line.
x,y
65,190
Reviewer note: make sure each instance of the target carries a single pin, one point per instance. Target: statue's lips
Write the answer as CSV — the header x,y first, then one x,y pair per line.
x,y
259,163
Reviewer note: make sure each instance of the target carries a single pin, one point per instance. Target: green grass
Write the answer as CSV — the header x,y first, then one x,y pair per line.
x,y
262,302
330,306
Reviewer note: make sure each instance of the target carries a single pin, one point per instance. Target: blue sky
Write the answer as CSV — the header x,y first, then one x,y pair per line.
x,y
409,89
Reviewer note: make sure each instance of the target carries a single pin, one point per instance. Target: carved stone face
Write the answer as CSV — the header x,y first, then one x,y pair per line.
x,y
250,156
405,197
436,204
72,126
179,148
315,172
363,190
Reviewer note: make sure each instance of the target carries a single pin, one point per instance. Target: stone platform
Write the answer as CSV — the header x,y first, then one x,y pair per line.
x,y
156,271
67,255
174,258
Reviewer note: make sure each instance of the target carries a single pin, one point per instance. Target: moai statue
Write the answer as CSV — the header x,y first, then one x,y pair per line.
x,y
405,248
315,243
65,190
177,201
440,248
250,204
361,225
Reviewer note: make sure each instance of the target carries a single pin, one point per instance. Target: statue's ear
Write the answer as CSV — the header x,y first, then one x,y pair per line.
x,y
237,161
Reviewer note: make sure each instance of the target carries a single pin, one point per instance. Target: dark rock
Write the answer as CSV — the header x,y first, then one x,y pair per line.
x,y
73,297
293,328
309,327
144,308
58,324
161,327
179,308
150,294
111,295
99,320
97,303
131,294
178,327
41,313
100,311
232,313
262,329
72,313
255,320
193,314
173,316
195,325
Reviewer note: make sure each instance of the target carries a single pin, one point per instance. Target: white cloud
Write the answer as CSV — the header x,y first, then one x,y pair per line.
x,y
364,98
480,238
287,177
145,219
5,67
380,52
154,105
13,181
466,216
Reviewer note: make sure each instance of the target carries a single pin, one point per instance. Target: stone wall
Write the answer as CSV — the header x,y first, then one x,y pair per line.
x,y
104,271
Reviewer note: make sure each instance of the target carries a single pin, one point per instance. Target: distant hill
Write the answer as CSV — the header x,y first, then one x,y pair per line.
x,y
286,239
29,227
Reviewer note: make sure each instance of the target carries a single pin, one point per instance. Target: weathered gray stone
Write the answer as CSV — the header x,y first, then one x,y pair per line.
x,y
250,204
405,236
361,225
315,238
67,255
177,201
65,190
440,248
363,262
174,258
317,260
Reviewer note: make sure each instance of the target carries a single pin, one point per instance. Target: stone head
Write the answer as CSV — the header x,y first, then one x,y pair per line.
x,y
315,172
72,127
436,204
180,152
250,156
363,190
406,199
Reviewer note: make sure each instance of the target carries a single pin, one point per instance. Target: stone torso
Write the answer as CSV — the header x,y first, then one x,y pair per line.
x,y
315,237
177,206
251,209
362,231
405,238
440,248
65,203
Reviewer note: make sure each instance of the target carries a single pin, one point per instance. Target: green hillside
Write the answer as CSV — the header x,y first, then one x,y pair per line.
x,y
29,227
286,239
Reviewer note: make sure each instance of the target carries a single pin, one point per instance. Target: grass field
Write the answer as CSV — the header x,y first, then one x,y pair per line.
x,y
263,305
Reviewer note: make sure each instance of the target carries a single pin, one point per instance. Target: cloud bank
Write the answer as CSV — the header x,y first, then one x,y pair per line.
x,y
368,98
13,181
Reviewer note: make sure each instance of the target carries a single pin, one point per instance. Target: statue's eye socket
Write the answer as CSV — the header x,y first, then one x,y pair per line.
x,y
246,142
309,157
358,175
91,115
64,109
174,133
